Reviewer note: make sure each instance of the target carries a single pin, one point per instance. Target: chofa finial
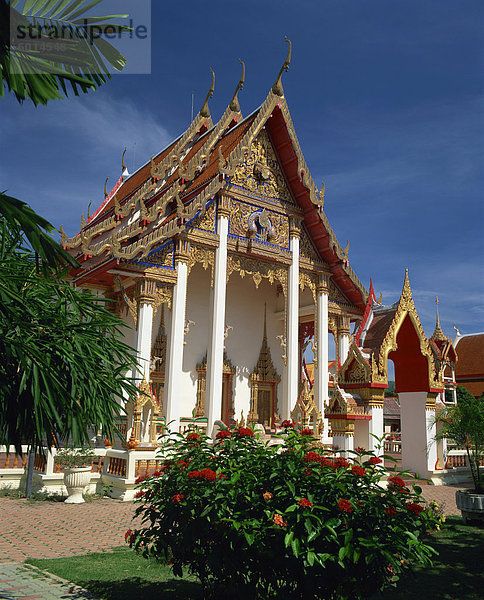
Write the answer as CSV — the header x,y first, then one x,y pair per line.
x,y
204,111
105,190
277,87
234,103
123,164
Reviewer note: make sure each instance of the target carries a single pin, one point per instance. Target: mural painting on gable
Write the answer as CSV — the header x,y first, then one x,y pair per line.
x,y
247,220
261,172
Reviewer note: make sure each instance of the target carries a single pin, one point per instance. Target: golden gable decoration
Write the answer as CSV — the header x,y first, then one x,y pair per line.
x,y
260,173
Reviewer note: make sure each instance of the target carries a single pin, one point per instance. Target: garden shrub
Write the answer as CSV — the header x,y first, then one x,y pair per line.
x,y
283,521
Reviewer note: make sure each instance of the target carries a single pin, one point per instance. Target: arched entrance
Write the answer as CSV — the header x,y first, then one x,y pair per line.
x,y
395,333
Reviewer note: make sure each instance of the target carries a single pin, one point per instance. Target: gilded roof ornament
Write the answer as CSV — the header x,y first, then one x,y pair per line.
x,y
123,164
89,210
277,87
438,334
321,194
204,111
234,103
105,190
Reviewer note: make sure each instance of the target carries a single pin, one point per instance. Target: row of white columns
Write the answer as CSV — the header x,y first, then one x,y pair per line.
x,y
173,372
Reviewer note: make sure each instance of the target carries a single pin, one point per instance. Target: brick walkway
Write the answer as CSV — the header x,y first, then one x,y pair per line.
x,y
53,529
26,582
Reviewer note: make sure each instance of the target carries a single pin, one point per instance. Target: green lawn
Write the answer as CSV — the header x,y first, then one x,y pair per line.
x,y
457,573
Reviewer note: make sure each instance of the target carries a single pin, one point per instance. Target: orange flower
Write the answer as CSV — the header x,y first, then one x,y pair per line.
x,y
278,520
267,496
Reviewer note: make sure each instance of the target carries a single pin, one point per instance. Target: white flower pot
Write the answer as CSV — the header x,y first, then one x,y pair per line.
x,y
471,505
76,480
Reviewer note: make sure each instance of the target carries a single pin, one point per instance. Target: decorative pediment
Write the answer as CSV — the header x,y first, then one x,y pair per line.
x,y
355,369
306,410
260,173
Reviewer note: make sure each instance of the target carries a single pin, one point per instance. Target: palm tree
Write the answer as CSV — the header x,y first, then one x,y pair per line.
x,y
66,49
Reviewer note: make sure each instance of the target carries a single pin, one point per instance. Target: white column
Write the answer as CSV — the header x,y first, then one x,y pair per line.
x,y
344,441
173,372
431,442
143,337
375,427
215,354
292,375
322,375
343,338
414,425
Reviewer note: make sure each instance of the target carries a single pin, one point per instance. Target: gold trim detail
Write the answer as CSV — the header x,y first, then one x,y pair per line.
x,y
259,172
257,269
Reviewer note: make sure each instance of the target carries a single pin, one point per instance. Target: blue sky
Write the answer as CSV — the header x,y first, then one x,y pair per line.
x,y
387,101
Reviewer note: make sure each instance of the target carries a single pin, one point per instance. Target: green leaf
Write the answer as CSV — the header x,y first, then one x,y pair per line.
x,y
311,558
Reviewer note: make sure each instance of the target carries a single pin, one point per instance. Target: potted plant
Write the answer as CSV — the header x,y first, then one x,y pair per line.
x,y
77,471
463,424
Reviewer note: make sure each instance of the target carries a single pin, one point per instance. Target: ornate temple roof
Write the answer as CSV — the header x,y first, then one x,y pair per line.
x,y
146,209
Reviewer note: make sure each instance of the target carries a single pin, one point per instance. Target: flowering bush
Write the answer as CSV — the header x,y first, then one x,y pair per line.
x,y
259,521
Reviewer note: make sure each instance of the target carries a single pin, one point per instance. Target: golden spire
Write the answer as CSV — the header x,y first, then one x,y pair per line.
x,y
204,111
105,190
234,103
438,334
123,164
277,87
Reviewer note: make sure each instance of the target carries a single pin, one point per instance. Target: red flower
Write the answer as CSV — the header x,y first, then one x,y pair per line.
x,y
306,432
345,505
327,462
357,470
141,478
245,432
415,508
177,498
391,511
128,534
208,474
374,460
360,449
312,457
341,462
224,433
194,437
194,474
308,472
278,520
221,476
305,503
157,474
396,482
140,494
182,464
287,423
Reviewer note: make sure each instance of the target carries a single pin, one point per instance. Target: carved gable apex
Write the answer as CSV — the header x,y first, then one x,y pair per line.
x,y
260,173
355,369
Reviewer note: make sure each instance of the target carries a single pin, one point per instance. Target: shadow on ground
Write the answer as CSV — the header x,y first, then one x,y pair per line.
x,y
457,572
135,587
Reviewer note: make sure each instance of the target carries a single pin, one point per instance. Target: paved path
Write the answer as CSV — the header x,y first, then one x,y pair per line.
x,y
53,529
26,582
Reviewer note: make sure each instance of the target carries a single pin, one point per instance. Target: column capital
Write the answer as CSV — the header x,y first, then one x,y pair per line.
x,y
182,250
223,206
322,286
344,325
145,290
295,226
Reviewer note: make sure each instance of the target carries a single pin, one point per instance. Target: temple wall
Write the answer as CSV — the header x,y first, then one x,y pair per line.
x,y
245,313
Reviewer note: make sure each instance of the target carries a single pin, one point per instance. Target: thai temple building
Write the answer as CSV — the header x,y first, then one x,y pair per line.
x,y
219,257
